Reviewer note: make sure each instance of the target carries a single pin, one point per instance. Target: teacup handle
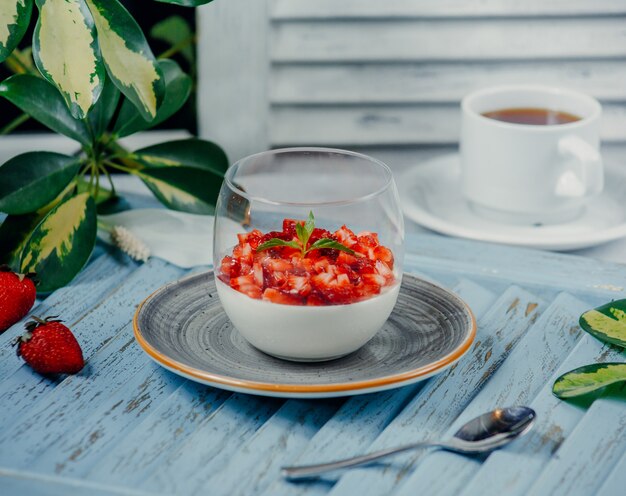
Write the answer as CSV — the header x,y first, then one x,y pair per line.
x,y
582,176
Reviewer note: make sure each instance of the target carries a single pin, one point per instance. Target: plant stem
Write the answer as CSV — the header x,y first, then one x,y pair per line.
x,y
104,226
121,153
15,123
121,167
108,176
16,65
177,47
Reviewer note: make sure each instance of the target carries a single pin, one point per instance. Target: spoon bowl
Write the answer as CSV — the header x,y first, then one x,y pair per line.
x,y
485,433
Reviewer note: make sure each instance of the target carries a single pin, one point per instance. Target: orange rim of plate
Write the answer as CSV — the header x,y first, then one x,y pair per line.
x,y
426,370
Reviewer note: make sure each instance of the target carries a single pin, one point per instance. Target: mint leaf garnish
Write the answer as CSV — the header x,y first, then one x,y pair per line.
x,y
277,242
303,233
330,243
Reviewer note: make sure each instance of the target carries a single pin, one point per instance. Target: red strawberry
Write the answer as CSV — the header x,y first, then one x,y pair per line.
x,y
17,296
49,347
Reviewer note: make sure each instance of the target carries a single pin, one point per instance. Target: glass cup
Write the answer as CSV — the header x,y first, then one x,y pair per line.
x,y
339,188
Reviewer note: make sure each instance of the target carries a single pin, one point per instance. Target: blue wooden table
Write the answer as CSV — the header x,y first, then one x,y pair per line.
x,y
126,426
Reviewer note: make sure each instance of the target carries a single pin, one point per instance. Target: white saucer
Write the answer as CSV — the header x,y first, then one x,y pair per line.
x,y
431,196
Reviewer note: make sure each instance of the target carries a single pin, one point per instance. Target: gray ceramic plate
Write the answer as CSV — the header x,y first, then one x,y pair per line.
x,y
183,328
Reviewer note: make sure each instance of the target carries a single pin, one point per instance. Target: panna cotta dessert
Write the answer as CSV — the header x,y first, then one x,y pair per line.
x,y
305,293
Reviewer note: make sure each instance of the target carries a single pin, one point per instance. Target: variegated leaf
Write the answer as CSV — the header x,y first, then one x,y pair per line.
x,y
62,242
14,20
14,233
32,180
127,56
192,152
66,52
589,378
183,188
187,3
607,323
39,99
177,90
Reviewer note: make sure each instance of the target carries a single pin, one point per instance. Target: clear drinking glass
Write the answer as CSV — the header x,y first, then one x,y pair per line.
x,y
339,188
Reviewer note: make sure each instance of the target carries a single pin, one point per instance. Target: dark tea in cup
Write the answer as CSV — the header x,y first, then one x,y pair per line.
x,y
533,116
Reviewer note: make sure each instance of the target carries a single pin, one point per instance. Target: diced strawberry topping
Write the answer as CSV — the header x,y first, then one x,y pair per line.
x,y
321,277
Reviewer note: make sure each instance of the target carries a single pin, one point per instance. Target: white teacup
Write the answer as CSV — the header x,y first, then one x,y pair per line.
x,y
530,174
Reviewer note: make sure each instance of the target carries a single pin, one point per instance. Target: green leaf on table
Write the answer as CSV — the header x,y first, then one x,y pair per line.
x,y
607,323
39,99
32,180
102,112
589,378
177,90
61,244
127,56
14,21
187,189
187,3
177,32
191,152
66,52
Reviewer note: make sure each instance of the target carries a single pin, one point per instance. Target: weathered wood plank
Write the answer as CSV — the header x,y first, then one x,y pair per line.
x,y
212,444
80,447
362,418
581,276
392,124
424,82
513,469
99,278
144,449
588,454
441,400
234,77
430,40
29,436
616,481
14,482
357,9
531,363
278,441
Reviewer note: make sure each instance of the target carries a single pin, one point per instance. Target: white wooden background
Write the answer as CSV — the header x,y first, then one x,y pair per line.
x,y
386,77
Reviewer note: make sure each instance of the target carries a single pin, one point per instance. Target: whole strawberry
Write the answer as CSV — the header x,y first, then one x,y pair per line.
x,y
17,296
49,347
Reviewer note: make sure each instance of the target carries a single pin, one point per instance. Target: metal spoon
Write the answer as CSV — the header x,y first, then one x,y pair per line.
x,y
485,433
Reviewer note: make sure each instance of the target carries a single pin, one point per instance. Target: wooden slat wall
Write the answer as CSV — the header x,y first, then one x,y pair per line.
x,y
356,73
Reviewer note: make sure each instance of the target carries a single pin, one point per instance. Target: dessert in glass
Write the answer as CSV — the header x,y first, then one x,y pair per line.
x,y
308,251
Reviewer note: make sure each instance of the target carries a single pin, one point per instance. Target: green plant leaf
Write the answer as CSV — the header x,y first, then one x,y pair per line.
x,y
61,244
102,113
589,378
17,229
40,100
187,3
66,52
14,20
177,90
192,152
176,31
331,244
183,188
607,323
127,56
14,233
32,180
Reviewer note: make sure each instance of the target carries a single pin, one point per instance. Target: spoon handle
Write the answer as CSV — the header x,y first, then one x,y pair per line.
x,y
306,471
